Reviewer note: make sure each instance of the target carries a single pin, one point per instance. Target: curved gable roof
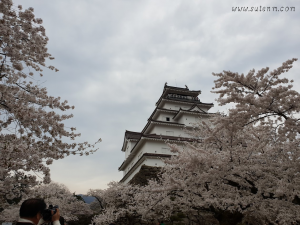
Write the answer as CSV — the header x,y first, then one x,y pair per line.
x,y
130,135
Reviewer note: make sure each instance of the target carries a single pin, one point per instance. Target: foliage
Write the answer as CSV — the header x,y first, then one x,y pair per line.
x,y
31,130
82,220
244,171
53,194
79,198
117,203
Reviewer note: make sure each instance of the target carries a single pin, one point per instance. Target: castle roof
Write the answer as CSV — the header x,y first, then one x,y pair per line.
x,y
195,105
182,99
195,109
151,121
186,90
179,94
130,135
161,109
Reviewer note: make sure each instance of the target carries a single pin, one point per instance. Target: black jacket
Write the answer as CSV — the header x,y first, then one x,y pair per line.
x,y
19,223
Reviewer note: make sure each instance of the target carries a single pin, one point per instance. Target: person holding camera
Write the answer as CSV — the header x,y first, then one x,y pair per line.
x,y
61,220
33,210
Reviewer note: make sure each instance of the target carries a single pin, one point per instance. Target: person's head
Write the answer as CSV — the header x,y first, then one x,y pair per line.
x,y
31,209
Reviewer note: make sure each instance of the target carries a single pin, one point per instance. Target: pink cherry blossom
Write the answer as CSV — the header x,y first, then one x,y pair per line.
x,y
53,194
31,130
246,166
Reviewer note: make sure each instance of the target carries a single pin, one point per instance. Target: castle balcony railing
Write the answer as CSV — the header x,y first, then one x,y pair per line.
x,y
185,98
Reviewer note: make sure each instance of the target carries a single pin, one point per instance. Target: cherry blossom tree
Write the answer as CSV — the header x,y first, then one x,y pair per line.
x,y
98,205
248,161
117,204
53,194
245,169
32,133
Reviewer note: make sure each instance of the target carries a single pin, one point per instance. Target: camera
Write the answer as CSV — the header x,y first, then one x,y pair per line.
x,y
47,213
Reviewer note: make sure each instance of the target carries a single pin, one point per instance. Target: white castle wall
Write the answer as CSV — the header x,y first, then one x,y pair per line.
x,y
149,146
128,146
161,129
188,119
164,115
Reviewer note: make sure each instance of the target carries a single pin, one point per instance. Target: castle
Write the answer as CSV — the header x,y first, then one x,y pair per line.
x,y
177,108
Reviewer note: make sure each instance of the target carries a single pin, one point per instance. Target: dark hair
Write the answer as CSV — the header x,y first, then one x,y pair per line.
x,y
31,207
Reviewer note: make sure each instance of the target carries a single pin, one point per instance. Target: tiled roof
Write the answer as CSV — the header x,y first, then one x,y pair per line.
x,y
173,138
188,101
186,89
192,112
132,135
196,105
167,122
179,88
158,121
183,91
157,109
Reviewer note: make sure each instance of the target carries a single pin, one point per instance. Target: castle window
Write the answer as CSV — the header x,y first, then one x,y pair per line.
x,y
167,118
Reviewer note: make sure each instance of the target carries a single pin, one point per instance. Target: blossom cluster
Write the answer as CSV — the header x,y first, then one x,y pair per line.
x,y
31,130
244,171
53,194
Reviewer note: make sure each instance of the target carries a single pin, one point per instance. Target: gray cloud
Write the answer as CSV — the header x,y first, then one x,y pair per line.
x,y
115,56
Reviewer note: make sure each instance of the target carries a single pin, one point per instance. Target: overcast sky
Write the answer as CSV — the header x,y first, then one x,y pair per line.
x,y
115,56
